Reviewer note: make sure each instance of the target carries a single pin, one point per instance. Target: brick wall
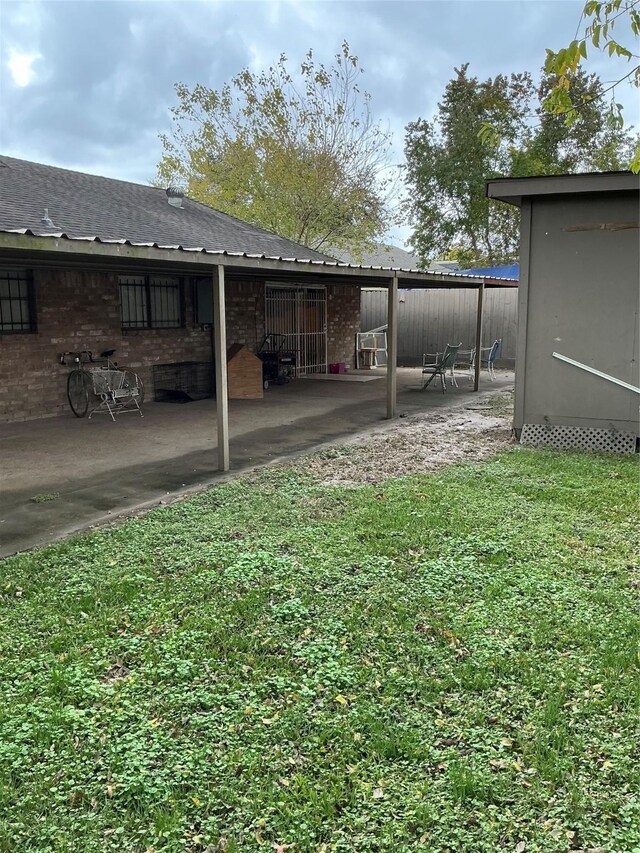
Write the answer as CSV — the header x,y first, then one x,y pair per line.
x,y
343,322
75,310
245,313
80,310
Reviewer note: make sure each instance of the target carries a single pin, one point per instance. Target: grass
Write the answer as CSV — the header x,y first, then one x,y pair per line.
x,y
45,497
440,663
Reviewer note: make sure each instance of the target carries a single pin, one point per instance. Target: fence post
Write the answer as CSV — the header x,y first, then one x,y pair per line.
x,y
476,376
392,346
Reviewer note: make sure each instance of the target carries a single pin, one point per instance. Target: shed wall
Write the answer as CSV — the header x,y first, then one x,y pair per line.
x,y
581,298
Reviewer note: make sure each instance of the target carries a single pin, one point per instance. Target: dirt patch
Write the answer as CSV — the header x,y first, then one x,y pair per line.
x,y
417,444
115,672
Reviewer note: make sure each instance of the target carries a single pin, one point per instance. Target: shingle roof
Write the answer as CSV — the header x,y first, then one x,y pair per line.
x,y
383,254
88,206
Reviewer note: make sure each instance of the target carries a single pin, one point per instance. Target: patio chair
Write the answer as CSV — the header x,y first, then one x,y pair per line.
x,y
437,364
464,363
492,353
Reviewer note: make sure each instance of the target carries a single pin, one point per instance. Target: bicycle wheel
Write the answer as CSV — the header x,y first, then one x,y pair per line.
x,y
79,388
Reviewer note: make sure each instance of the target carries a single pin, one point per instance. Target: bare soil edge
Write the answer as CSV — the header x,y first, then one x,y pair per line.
x,y
418,444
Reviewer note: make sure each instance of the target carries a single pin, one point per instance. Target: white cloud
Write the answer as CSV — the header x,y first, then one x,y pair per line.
x,y
88,83
20,67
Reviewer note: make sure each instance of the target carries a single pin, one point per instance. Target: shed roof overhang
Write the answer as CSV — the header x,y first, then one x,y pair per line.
x,y
514,190
22,246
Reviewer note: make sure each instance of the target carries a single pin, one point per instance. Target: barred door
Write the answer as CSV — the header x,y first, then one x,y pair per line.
x,y
300,314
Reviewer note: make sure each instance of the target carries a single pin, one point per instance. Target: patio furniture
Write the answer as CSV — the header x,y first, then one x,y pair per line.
x,y
464,363
371,348
437,364
492,353
119,390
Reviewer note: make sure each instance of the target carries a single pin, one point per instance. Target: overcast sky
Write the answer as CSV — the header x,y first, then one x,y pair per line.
x,y
88,84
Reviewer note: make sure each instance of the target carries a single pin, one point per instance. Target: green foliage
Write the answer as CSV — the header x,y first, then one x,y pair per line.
x,y
45,497
491,128
440,663
299,156
564,98
447,166
590,142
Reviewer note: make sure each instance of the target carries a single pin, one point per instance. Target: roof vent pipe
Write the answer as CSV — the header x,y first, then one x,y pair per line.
x,y
46,220
174,196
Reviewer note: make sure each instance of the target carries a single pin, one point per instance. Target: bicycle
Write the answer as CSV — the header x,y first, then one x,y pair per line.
x,y
99,385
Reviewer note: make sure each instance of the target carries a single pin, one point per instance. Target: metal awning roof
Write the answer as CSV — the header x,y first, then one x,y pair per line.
x,y
24,242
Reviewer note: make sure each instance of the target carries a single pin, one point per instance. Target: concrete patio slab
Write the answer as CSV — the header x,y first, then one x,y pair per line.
x,y
62,475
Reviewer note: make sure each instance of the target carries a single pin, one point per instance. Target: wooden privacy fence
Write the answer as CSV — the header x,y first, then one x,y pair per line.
x,y
428,320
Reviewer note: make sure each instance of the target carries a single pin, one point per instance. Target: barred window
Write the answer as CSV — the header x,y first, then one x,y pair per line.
x,y
150,302
17,308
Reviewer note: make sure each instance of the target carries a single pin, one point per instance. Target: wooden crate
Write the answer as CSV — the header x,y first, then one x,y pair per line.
x,y
244,374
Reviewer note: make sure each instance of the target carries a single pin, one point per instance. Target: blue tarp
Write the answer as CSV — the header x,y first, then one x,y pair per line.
x,y
508,271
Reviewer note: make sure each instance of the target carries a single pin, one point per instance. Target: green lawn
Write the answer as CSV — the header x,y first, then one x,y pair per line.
x,y
441,663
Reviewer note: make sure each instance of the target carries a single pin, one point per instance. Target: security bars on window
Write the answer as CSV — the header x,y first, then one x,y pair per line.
x,y
299,314
17,313
150,302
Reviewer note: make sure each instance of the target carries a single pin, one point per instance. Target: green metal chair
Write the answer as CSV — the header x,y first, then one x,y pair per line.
x,y
438,367
492,353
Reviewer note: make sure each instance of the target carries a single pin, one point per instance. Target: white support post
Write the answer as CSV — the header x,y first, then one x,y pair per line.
x,y
476,372
392,346
222,395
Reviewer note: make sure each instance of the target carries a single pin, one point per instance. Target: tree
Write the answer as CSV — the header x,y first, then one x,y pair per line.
x,y
447,165
589,143
564,98
300,157
448,161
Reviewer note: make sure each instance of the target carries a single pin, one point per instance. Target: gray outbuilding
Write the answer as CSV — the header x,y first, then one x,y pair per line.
x,y
577,373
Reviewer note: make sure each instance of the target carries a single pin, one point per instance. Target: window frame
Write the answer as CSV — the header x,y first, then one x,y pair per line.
x,y
24,276
147,286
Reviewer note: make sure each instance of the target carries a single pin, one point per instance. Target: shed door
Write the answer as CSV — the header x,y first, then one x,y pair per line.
x,y
300,314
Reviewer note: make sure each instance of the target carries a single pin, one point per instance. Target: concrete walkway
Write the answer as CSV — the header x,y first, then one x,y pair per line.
x,y
62,475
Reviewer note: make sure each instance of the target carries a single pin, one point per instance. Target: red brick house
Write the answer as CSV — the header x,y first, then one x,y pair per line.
x,y
116,272
91,263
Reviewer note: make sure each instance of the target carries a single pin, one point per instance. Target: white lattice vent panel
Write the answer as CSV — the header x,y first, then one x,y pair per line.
x,y
577,438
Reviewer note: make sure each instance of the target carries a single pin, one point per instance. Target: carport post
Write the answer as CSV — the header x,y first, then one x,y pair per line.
x,y
476,372
392,346
222,402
